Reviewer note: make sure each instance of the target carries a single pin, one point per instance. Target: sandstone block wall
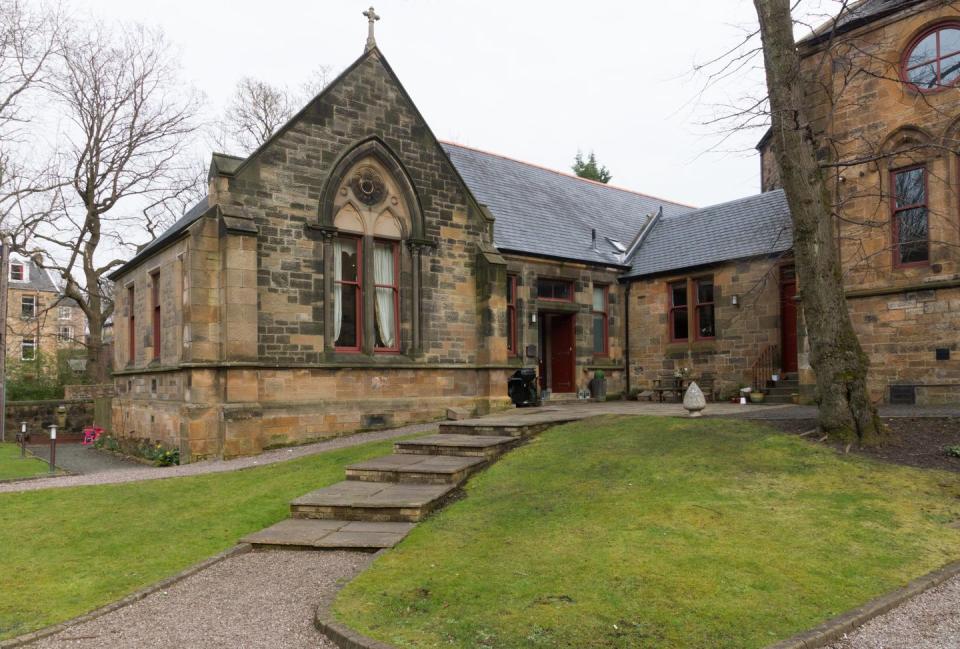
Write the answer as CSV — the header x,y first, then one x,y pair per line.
x,y
742,332
902,332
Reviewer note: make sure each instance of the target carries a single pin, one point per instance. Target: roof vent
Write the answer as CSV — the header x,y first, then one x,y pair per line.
x,y
593,238
619,247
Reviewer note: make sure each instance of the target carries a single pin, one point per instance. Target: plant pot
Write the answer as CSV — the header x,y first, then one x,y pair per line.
x,y
756,397
598,389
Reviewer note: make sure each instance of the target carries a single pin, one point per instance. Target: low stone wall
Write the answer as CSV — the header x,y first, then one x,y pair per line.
x,y
88,392
270,407
76,415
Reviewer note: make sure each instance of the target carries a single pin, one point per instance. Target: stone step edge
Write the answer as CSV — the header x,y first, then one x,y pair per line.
x,y
419,477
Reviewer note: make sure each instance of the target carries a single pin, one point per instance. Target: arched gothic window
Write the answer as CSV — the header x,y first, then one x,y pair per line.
x,y
372,219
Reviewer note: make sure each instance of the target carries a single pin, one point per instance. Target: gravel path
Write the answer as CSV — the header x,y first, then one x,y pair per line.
x,y
930,620
213,466
258,599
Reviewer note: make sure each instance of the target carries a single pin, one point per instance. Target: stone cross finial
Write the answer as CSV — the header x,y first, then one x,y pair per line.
x,y
372,17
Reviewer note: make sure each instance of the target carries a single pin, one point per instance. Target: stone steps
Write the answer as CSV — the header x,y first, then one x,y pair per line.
x,y
408,468
382,498
485,446
313,534
494,429
356,500
778,399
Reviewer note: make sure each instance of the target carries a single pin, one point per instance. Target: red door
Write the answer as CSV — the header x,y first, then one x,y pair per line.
x,y
561,334
788,322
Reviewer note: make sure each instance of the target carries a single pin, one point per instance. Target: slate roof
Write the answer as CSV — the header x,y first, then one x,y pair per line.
x,y
548,213
38,279
169,234
858,14
747,227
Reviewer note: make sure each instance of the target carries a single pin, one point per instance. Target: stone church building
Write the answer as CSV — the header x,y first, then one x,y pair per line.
x,y
354,273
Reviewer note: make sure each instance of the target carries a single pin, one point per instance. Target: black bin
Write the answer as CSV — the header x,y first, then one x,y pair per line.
x,y
522,388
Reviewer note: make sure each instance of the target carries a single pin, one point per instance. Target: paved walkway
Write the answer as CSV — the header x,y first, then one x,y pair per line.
x,y
213,466
81,460
255,600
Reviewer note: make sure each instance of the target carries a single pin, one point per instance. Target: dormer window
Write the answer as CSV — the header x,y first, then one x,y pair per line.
x,y
932,61
18,272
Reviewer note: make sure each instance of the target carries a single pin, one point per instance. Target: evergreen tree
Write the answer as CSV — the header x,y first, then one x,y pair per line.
x,y
590,169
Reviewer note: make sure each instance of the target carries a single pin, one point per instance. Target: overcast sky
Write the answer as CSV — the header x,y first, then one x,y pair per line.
x,y
530,80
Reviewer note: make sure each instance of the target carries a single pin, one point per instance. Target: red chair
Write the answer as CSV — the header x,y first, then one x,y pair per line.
x,y
91,434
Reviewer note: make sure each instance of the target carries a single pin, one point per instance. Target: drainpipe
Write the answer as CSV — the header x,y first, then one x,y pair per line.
x,y
626,334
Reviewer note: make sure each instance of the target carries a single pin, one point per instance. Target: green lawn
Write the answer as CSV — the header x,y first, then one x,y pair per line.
x,y
13,467
67,551
652,532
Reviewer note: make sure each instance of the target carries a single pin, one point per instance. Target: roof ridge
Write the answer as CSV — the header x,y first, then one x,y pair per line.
x,y
566,174
730,202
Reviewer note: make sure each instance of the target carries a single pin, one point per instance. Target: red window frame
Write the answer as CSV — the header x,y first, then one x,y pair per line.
x,y
674,308
556,282
358,306
606,319
131,326
513,345
396,295
904,70
155,301
698,305
16,272
895,210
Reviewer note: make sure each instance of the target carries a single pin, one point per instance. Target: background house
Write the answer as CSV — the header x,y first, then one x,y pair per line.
x,y
40,320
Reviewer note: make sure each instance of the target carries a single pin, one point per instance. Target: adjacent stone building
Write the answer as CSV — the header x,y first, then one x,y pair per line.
x,y
40,320
886,109
356,273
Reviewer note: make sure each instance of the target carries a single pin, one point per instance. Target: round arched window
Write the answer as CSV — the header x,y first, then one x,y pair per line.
x,y
932,61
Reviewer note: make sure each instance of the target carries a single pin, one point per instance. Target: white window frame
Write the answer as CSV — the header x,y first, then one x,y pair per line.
x,y
28,343
33,299
69,331
65,312
25,271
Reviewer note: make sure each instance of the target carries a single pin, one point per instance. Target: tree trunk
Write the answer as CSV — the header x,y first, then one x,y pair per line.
x,y
845,410
96,370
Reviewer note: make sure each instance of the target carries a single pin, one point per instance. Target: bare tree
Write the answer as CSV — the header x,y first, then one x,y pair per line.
x,y
840,365
29,42
129,124
258,108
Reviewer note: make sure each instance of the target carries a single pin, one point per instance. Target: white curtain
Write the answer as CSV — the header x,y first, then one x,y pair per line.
x,y
337,289
383,274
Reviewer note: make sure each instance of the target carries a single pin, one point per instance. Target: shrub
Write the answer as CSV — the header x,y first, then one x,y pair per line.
x,y
952,451
153,451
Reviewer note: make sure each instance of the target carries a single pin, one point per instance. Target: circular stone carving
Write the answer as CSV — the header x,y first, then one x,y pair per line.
x,y
368,186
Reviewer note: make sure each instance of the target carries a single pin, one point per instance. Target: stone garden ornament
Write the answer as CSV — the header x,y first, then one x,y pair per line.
x,y
693,400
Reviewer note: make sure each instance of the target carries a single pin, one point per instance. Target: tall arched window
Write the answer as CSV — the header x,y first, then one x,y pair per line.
x,y
371,221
